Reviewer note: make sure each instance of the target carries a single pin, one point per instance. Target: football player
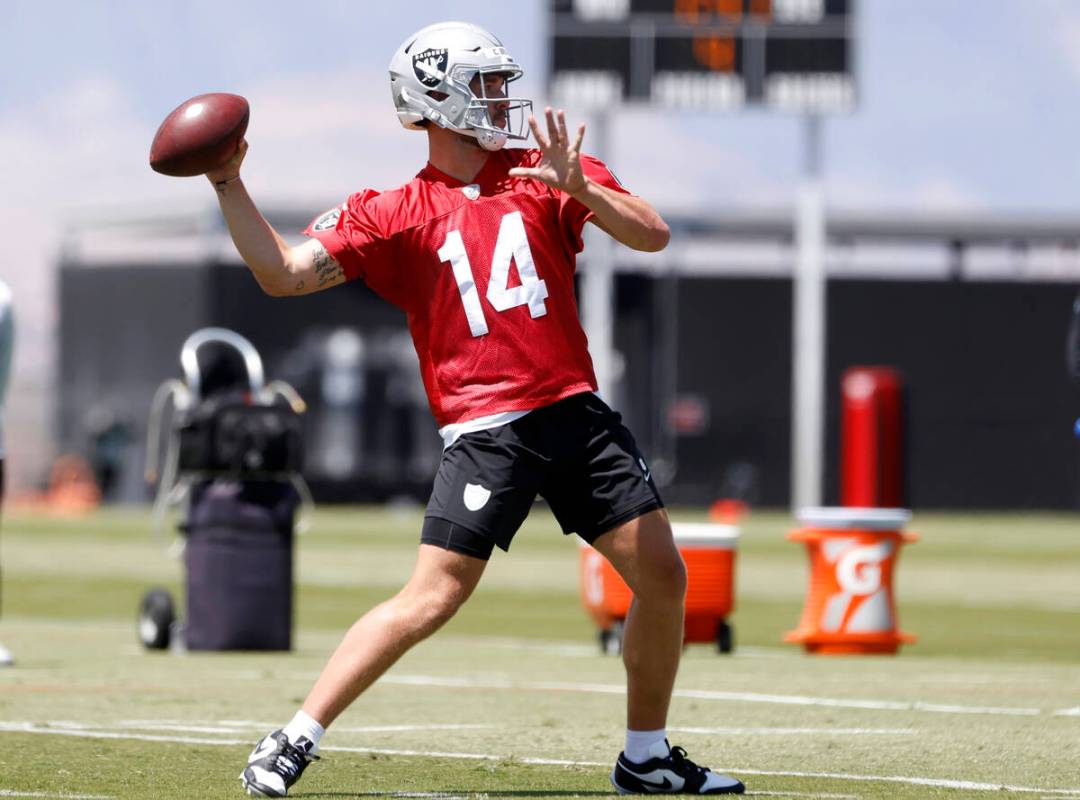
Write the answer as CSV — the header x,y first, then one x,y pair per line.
x,y
508,377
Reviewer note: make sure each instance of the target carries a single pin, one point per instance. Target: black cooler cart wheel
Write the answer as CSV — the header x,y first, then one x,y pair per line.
x,y
725,637
611,639
156,615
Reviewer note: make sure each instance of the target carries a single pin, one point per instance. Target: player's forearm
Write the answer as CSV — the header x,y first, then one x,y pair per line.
x,y
629,219
261,247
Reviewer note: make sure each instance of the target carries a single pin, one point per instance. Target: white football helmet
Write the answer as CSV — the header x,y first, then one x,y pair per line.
x,y
430,77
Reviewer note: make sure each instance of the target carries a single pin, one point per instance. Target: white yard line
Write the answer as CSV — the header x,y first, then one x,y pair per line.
x,y
54,795
940,783
233,728
30,727
699,694
821,795
397,728
798,731
86,733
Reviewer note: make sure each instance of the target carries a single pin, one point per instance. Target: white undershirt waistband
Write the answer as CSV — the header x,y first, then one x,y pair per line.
x,y
454,431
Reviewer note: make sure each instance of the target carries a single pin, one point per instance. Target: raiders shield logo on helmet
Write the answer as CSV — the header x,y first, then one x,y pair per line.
x,y
430,66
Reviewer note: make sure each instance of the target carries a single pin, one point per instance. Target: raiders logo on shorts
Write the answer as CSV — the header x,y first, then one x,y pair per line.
x,y
328,220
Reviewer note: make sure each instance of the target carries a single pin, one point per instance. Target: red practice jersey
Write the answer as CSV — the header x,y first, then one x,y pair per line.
x,y
485,273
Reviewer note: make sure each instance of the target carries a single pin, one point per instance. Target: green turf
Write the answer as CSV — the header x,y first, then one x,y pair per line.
x,y
994,599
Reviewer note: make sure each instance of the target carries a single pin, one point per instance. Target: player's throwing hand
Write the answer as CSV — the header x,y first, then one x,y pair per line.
x,y
231,168
560,164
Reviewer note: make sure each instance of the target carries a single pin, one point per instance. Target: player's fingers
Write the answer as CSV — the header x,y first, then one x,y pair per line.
x,y
563,135
580,137
523,172
553,131
534,126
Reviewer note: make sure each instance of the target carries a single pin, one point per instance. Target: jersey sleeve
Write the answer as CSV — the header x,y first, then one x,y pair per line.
x,y
573,214
356,238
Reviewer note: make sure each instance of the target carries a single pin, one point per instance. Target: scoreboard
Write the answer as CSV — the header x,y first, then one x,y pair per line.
x,y
788,55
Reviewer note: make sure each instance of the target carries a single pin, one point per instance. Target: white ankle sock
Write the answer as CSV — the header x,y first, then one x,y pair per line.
x,y
643,745
304,724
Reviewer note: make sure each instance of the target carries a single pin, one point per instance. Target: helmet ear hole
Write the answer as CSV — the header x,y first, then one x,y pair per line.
x,y
437,96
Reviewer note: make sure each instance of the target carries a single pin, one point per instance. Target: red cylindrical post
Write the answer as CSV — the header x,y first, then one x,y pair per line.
x,y
871,438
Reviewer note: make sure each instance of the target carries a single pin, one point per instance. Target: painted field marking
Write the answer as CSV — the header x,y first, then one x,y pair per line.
x,y
13,793
232,728
486,796
89,733
406,728
943,783
1068,712
939,783
798,731
226,728
822,795
699,694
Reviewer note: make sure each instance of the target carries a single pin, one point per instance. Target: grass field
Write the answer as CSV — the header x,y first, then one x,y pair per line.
x,y
513,698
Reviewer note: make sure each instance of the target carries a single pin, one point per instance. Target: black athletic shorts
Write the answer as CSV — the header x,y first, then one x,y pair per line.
x,y
576,454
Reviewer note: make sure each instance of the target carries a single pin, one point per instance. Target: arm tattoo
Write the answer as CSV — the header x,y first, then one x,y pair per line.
x,y
326,269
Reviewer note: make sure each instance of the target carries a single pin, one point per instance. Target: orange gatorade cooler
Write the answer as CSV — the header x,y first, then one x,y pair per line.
x,y
709,552
850,606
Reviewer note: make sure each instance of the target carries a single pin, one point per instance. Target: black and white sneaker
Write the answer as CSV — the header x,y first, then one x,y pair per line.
x,y
276,764
675,774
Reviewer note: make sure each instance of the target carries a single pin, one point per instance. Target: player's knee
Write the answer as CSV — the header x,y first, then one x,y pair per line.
x,y
675,577
665,578
442,606
426,611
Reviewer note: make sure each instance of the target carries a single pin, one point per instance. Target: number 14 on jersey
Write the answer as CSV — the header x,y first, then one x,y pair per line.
x,y
512,245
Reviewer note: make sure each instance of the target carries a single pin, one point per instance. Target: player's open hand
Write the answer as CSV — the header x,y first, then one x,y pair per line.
x,y
560,162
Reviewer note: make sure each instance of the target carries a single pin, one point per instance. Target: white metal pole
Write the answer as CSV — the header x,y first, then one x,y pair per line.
x,y
598,281
808,327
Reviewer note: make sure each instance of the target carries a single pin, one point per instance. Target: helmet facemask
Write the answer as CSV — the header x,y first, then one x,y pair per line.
x,y
491,119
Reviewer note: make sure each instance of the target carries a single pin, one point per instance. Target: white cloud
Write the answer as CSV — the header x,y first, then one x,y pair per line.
x,y
1065,37
686,168
83,153
921,193
317,137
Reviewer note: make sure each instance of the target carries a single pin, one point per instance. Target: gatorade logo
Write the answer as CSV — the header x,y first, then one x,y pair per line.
x,y
861,605
858,571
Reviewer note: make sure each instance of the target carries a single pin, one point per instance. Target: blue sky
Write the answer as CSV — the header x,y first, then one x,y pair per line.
x,y
966,105
957,111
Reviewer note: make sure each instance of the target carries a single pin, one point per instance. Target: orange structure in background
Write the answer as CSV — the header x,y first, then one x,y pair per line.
x,y
709,552
72,490
850,605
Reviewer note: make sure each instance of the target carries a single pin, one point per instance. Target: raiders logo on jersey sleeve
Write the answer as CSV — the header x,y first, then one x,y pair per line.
x,y
327,221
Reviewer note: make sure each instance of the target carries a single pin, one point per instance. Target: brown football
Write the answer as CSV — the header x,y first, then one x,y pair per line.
x,y
200,135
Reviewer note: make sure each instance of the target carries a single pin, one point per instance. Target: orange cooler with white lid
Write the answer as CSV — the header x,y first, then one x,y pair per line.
x,y
708,549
